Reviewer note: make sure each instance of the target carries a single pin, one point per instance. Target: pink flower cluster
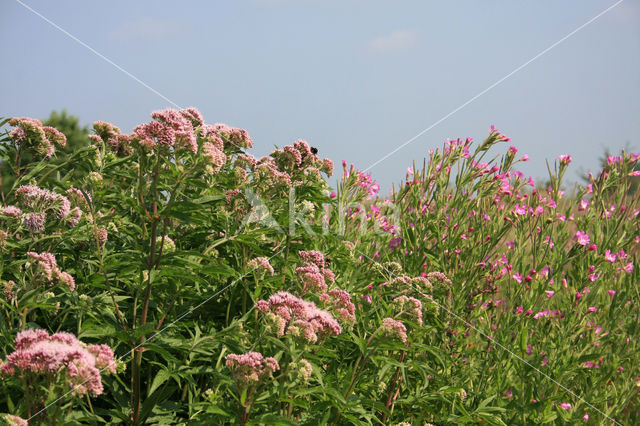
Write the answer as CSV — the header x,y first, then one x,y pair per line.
x,y
494,132
340,305
170,128
214,156
296,317
362,179
299,156
39,201
314,274
269,175
565,160
178,129
260,265
251,368
304,369
439,278
46,270
394,328
411,306
548,314
232,137
15,420
63,356
31,132
421,284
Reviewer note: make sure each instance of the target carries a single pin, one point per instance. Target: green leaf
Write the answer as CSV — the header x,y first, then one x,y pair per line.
x,y
162,376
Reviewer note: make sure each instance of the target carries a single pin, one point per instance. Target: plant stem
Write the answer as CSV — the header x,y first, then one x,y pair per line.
x,y
396,380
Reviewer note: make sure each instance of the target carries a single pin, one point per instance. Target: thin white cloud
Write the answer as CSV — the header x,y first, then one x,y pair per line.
x,y
396,41
145,28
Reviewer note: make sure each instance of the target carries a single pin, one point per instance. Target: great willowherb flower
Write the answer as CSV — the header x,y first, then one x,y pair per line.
x,y
564,159
250,368
60,357
294,316
581,238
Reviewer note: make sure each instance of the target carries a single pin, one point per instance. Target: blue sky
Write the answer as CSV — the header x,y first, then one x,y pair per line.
x,y
355,78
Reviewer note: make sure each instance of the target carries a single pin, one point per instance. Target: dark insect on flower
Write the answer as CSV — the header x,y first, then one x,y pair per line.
x,y
314,150
327,261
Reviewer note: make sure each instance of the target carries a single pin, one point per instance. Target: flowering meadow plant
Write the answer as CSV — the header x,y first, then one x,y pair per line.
x,y
170,277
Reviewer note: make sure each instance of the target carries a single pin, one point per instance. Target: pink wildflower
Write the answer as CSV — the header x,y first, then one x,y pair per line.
x,y
46,270
541,314
392,327
260,265
564,159
250,368
415,309
342,307
15,420
60,356
285,307
312,277
214,156
581,238
609,257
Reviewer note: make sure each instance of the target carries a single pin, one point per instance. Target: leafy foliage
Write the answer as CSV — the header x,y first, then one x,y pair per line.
x,y
241,290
